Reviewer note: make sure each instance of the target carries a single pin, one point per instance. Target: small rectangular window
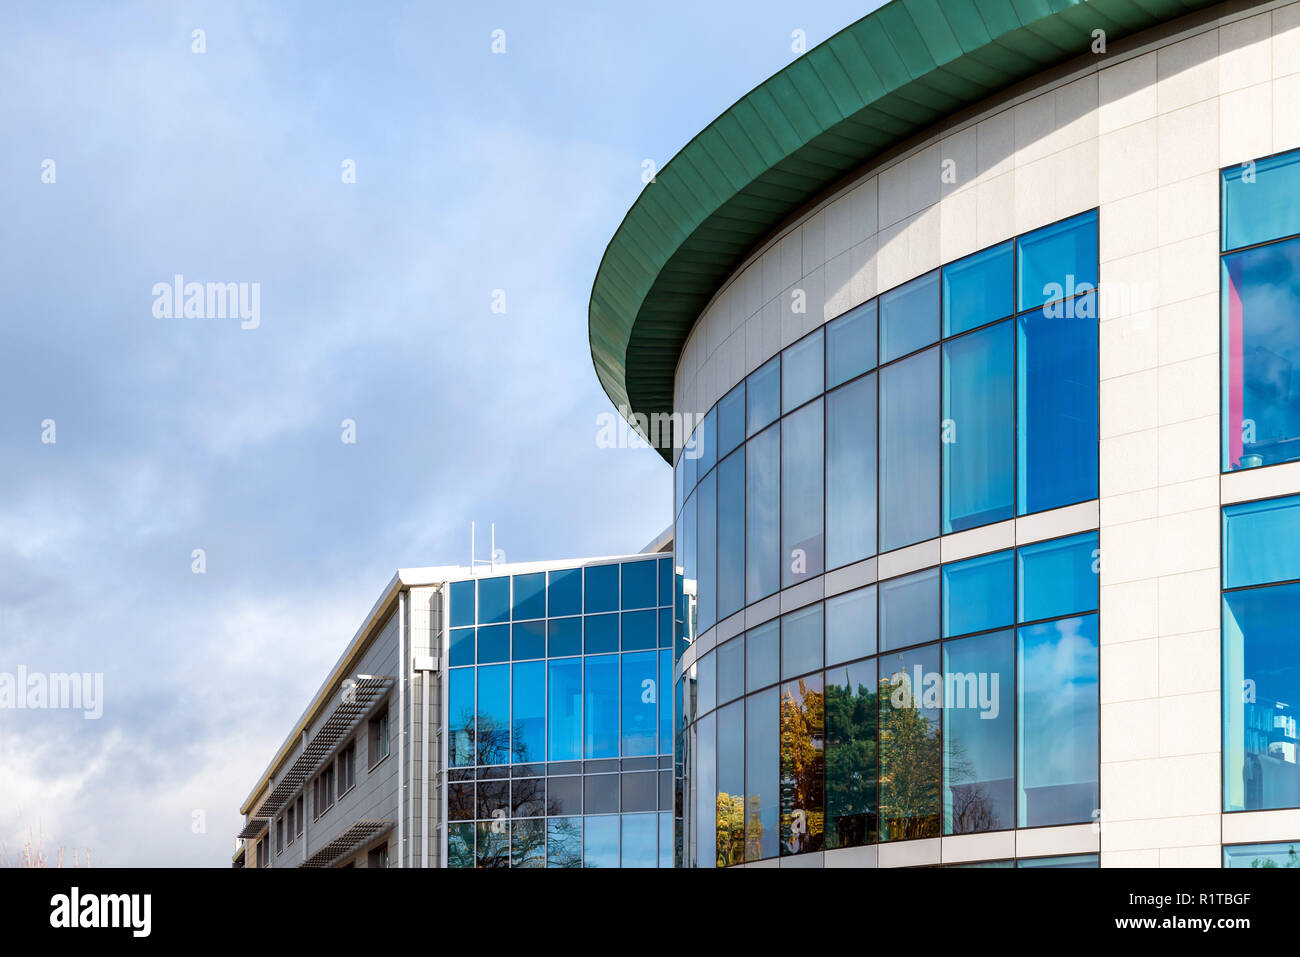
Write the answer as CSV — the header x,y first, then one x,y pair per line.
x,y
347,767
298,815
378,743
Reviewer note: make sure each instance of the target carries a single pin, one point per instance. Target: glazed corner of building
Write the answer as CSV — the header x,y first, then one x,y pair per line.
x,y
1149,131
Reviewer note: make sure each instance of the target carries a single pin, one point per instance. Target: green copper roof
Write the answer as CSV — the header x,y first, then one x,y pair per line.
x,y
872,85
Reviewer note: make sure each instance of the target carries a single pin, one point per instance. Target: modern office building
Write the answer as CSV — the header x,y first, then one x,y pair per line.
x,y
509,718
989,317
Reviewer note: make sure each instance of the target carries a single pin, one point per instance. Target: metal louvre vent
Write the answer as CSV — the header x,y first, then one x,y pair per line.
x,y
253,827
359,833
365,694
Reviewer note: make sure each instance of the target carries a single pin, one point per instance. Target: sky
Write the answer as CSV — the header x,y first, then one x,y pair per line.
x,y
129,440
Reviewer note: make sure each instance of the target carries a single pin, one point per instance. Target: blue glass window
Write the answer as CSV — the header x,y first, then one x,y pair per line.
x,y
665,581
691,456
762,775
462,604
639,584
1056,722
564,842
731,669
665,702
639,630
640,840
665,627
1267,208
1261,542
851,625
1261,355
762,514
640,703
494,599
461,651
705,819
1062,861
530,596
909,317
851,755
1285,854
801,641
909,451
979,594
851,473
529,721
707,443
601,588
529,640
731,784
911,703
909,609
460,844
979,734
706,544
601,634
706,683
1057,261
600,714
763,655
802,367
460,715
802,435
731,420
977,289
1058,577
564,637
493,732
1056,396
731,534
763,395
564,593
851,344
600,841
803,769
1261,694
528,843
564,709
493,643
493,847
978,429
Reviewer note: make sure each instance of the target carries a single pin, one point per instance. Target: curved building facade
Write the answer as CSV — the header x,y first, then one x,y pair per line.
x,y
984,328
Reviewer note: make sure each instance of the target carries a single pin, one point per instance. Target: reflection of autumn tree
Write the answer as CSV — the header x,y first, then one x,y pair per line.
x,y
731,828
851,765
803,727
754,828
911,759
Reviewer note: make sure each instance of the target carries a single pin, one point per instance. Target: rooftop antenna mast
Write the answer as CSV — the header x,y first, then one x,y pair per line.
x,y
474,561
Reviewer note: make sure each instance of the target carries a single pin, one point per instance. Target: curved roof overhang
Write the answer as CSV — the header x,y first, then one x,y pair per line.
x,y
867,89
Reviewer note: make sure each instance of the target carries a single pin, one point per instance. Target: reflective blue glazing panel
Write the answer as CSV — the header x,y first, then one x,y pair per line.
x,y
1284,854
460,844
706,544
665,693
1056,731
493,731
1261,542
564,637
851,344
802,368
493,643
801,641
909,317
494,600
977,289
1057,261
802,435
601,634
731,534
1059,577
639,589
731,420
460,717
640,703
530,596
979,594
564,842
640,840
763,395
851,625
666,839
564,592
529,721
706,683
600,841
462,603
639,630
851,473
529,640
909,609
665,581
1261,694
707,443
705,819
1261,351
461,647
1261,200
979,734
762,773
1064,860
600,590
731,784
731,669
978,429
564,709
1056,396
763,655
762,515
911,756
909,451
600,712
851,755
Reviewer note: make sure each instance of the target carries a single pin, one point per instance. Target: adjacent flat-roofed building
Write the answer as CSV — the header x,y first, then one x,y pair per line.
x,y
509,718
985,318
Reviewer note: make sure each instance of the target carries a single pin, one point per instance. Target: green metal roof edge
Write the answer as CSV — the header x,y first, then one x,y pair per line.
x,y
895,72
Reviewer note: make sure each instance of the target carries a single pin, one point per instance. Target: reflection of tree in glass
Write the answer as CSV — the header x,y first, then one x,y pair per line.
x,y
851,765
564,845
803,725
1292,860
731,828
911,759
972,806
754,828
528,843
493,846
493,743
